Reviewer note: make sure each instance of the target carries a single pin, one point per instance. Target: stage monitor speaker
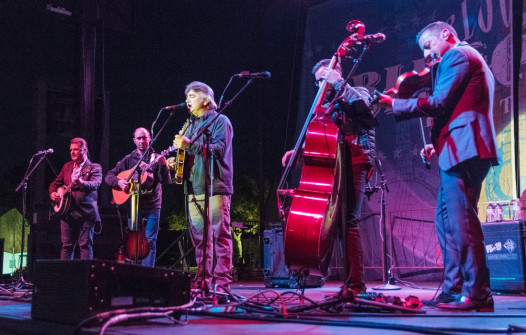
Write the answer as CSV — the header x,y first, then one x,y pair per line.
x,y
71,291
505,250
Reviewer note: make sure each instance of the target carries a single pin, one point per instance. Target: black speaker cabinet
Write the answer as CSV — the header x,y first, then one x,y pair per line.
x,y
71,291
275,271
505,255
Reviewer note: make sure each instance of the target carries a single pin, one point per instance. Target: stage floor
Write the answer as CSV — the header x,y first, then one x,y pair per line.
x,y
509,316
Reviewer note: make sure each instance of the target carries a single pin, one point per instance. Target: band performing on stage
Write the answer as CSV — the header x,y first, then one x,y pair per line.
x,y
459,99
323,219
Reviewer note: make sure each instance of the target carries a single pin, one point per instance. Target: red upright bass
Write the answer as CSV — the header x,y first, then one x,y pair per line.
x,y
310,229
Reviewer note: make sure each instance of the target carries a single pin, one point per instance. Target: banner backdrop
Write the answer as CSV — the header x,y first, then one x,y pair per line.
x,y
486,25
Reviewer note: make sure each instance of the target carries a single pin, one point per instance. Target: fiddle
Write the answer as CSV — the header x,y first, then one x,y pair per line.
x,y
411,85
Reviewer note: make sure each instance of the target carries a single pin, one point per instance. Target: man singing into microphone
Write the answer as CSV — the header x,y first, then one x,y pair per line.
x,y
201,104
85,177
360,153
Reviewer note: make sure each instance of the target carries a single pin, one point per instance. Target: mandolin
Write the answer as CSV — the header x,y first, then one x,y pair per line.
x,y
121,196
179,158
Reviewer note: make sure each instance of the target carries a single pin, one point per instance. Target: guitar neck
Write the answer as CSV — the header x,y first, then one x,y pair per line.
x,y
156,159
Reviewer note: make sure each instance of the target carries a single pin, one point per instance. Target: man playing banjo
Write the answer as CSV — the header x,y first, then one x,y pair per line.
x,y
81,178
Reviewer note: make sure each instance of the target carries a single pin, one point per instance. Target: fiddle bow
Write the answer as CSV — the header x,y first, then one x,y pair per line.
x,y
410,85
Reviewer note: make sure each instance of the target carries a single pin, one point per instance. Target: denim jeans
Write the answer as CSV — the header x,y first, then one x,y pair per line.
x,y
73,232
151,216
219,239
459,231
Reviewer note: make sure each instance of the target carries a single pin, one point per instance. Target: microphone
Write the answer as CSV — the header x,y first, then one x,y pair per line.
x,y
179,106
45,152
262,75
373,38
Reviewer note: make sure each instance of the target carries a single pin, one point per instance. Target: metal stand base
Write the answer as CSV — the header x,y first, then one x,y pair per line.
x,y
389,286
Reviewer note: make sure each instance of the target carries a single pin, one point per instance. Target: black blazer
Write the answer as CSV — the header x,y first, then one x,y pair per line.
x,y
84,199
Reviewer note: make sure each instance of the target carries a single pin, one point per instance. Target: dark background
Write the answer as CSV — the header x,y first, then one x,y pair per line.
x,y
146,53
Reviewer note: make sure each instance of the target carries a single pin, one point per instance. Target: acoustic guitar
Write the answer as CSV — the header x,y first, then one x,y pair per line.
x,y
121,196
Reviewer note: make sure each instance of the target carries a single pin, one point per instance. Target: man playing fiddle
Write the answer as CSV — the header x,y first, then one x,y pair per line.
x,y
463,137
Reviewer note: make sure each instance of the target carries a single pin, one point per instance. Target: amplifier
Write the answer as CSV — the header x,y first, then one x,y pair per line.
x,y
505,255
73,290
275,272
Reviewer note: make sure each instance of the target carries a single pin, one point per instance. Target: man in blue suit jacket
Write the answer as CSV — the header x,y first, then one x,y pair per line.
x,y
77,226
463,136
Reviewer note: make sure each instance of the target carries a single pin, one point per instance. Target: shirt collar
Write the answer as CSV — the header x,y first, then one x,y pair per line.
x,y
81,164
206,115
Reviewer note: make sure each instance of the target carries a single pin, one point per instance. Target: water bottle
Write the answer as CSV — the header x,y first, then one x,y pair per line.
x,y
489,212
498,216
516,209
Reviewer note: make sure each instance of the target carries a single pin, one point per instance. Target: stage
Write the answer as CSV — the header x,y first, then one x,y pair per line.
x,y
509,315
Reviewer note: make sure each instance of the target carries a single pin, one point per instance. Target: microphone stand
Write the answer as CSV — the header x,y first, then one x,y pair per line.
x,y
208,167
23,184
157,118
223,94
357,61
389,281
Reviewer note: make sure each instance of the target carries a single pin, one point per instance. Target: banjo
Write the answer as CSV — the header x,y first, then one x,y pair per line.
x,y
61,207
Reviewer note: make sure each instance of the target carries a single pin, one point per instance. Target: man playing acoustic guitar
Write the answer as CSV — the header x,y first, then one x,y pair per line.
x,y
81,180
150,196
